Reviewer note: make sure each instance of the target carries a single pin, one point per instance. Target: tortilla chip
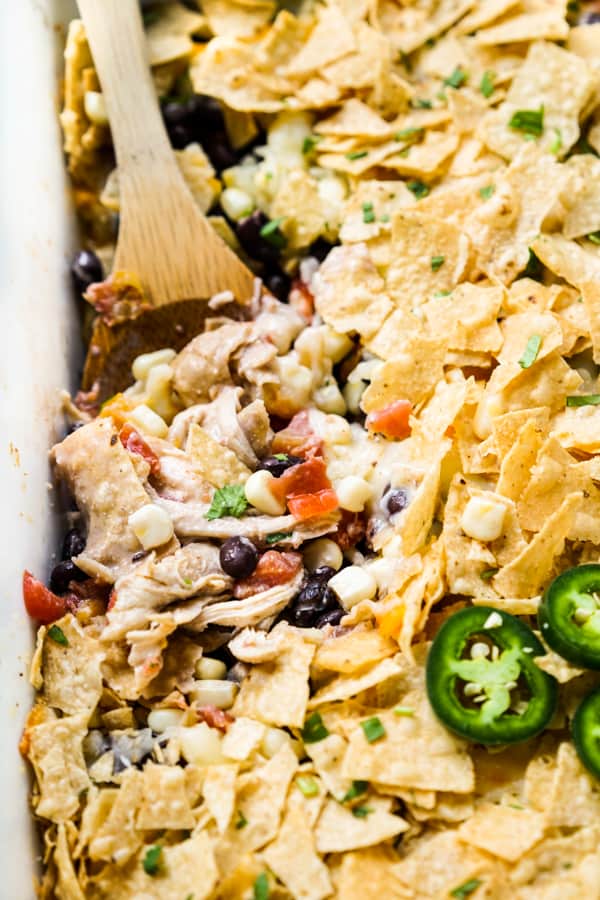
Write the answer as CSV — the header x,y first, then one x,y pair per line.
x,y
327,756
338,830
409,27
466,560
412,375
345,686
567,259
232,19
261,797
277,692
164,802
319,49
531,570
549,25
55,752
67,886
292,857
558,667
415,523
466,319
219,790
71,673
368,874
438,863
243,737
503,830
516,466
352,652
169,37
117,838
506,428
216,463
564,791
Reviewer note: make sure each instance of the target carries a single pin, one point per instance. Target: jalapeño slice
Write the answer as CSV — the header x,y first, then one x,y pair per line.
x,y
586,732
569,616
482,681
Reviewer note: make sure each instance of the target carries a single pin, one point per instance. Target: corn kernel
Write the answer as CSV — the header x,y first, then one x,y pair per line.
x,y
483,519
323,552
330,399
206,667
353,493
488,408
95,107
151,526
201,745
146,361
148,421
353,584
160,720
258,493
214,692
236,203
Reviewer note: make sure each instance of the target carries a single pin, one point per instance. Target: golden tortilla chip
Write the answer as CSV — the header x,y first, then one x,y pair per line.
x,y
261,797
164,802
350,653
345,686
293,858
466,318
56,754
219,790
436,864
515,470
411,375
503,830
217,464
327,756
567,259
368,874
237,19
339,830
243,738
410,27
169,36
71,671
320,49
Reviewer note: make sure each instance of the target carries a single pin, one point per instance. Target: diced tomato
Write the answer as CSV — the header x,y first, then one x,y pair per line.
x,y
273,568
40,603
307,506
389,622
117,408
304,478
215,717
392,421
111,600
298,439
135,443
301,299
350,530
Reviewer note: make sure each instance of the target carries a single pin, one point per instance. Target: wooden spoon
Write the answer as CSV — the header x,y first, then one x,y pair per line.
x,y
163,237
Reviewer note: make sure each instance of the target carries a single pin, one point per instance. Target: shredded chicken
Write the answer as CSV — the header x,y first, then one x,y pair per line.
x,y
179,477
252,610
204,364
107,490
191,571
254,646
254,422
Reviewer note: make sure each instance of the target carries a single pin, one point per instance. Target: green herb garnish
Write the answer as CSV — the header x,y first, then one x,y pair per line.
x,y
368,213
486,192
529,121
373,729
272,233
282,457
357,154
466,888
442,293
437,262
357,789
534,268
486,85
583,400
230,500
418,188
278,536
58,635
488,574
531,351
241,821
314,729
418,103
308,785
361,812
457,78
594,237
261,887
310,142
410,135
152,859
404,711
557,143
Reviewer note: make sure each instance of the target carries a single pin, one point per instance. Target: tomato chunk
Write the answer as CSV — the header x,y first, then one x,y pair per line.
x,y
40,603
273,568
306,506
392,421
304,478
135,443
298,438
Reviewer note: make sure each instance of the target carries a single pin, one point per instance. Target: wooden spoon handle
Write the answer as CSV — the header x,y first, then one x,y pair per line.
x,y
163,236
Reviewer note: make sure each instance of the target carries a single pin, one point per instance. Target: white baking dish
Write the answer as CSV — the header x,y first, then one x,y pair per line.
x,y
40,354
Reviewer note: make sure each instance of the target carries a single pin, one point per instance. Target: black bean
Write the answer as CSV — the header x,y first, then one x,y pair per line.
x,y
397,500
62,574
277,466
239,557
312,592
323,573
73,544
589,18
314,599
320,249
85,269
279,284
332,617
248,232
304,615
219,150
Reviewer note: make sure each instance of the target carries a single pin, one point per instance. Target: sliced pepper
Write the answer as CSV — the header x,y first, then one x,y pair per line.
x,y
586,732
482,681
569,615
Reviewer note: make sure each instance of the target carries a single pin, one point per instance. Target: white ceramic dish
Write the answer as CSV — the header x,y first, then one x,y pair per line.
x,y
40,354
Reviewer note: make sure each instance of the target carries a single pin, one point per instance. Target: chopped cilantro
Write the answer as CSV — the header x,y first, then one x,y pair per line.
x,y
272,233
557,143
437,262
457,78
410,135
282,457
531,351
418,103
58,635
310,142
442,293
261,887
361,812
487,574
583,400
278,536
229,500
466,888
594,237
404,711
529,121
384,218
152,859
356,790
486,192
373,729
314,729
308,785
368,213
486,85
418,188
357,154
241,820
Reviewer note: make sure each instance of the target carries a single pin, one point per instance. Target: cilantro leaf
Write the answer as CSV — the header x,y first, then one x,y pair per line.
x,y
418,188
152,859
583,400
486,192
529,121
361,812
594,237
437,262
241,821
357,154
278,536
58,635
531,351
314,729
261,887
356,790
230,500
457,78
310,142
466,888
486,86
